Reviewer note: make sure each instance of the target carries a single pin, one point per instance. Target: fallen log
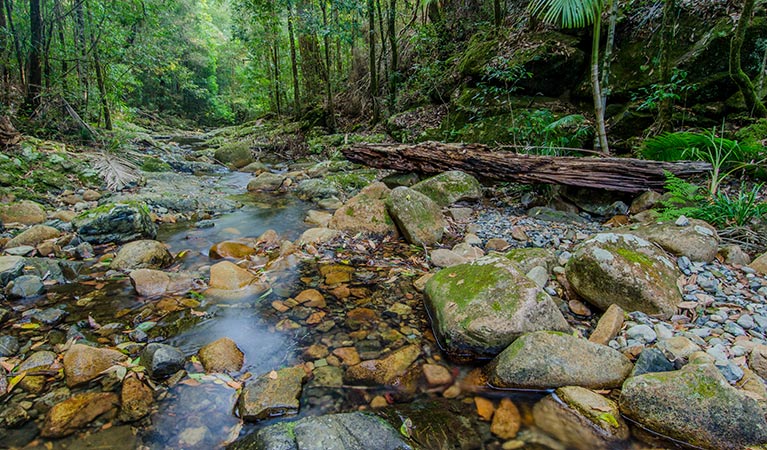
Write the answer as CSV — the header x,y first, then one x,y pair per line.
x,y
617,174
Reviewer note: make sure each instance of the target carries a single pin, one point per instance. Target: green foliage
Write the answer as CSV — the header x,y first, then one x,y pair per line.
x,y
568,13
657,93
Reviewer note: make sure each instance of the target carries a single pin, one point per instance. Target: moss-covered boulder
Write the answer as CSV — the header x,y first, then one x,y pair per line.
x,y
152,164
550,360
478,309
697,240
695,405
581,419
24,212
449,187
417,216
235,154
625,270
115,222
365,212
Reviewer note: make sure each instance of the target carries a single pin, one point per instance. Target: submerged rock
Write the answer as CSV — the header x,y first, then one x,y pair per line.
x,y
161,360
695,405
231,249
221,355
143,254
450,187
272,394
626,270
83,363
549,360
385,371
266,182
77,412
417,216
155,283
478,309
136,399
115,222
229,276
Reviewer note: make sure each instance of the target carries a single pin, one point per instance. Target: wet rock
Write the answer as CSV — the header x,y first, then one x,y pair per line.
x,y
478,309
53,269
625,270
365,212
25,286
581,419
143,254
608,326
443,257
272,394
383,371
22,250
397,179
229,276
136,399
221,355
77,412
348,355
255,167
347,431
317,189
697,240
547,360
10,268
49,316
83,363
311,298
417,216
9,345
506,420
651,360
14,416
436,375
450,187
161,360
24,212
318,218
115,222
695,405
231,249
155,283
33,236
266,182
317,236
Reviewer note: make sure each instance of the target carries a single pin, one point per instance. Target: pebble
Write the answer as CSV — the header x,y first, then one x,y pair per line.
x,y
746,321
734,329
643,333
9,345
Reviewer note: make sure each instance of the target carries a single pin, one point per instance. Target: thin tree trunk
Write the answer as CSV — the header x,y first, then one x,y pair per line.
x,y
609,47
599,111
382,30
665,109
99,69
497,15
16,43
330,112
394,56
276,64
4,63
62,41
81,60
372,59
753,103
293,61
35,64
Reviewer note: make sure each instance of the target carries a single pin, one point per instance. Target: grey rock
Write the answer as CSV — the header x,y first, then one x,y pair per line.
x,y
25,286
552,215
118,223
49,316
417,216
161,360
10,268
142,254
271,395
651,360
645,333
746,321
450,187
9,345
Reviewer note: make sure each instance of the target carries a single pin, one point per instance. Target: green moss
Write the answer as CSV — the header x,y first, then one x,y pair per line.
x,y
464,282
350,211
634,257
513,349
609,419
155,165
106,208
496,306
478,52
352,180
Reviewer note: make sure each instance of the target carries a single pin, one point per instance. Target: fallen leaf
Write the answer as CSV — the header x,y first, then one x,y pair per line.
x,y
273,375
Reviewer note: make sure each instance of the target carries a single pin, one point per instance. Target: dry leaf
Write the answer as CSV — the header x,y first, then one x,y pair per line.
x,y
273,375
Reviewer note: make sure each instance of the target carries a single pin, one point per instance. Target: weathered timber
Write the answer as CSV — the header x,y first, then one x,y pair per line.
x,y
617,174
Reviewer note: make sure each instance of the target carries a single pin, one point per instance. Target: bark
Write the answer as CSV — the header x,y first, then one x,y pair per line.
x,y
293,61
372,59
35,77
4,66
618,174
276,66
497,15
16,42
394,56
81,64
753,102
100,82
612,24
330,110
599,110
667,38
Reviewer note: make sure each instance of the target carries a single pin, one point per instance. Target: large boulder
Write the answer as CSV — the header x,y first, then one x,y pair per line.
x,y
143,254
266,182
479,308
23,212
450,187
696,240
550,360
236,154
33,236
115,222
626,270
581,419
695,405
83,363
365,212
417,216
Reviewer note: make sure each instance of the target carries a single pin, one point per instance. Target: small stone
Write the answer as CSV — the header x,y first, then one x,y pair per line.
x,y
446,258
316,351
645,333
312,298
25,286
678,347
68,416
651,360
9,345
272,394
221,355
608,326
136,399
485,408
497,245
379,401
539,275
506,420
579,308
83,363
161,360
437,375
682,221
348,355
746,321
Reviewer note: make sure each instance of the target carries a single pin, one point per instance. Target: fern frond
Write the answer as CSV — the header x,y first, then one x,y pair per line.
x,y
569,121
117,172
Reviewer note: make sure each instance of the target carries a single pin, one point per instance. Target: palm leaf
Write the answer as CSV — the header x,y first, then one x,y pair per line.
x,y
117,172
566,13
564,122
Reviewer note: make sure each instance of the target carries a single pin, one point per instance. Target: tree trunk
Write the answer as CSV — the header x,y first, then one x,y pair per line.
x,y
609,47
16,43
497,15
599,110
394,56
81,61
35,78
618,174
4,63
63,43
753,103
665,109
293,61
329,112
276,66
101,83
372,60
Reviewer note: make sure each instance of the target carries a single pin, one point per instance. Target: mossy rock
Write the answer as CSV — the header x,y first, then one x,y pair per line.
x,y
527,258
626,270
695,405
477,54
479,308
365,212
450,187
235,154
115,222
153,164
417,216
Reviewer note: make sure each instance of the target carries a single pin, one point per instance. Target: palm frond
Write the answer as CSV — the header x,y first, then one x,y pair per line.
x,y
568,121
566,13
117,172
